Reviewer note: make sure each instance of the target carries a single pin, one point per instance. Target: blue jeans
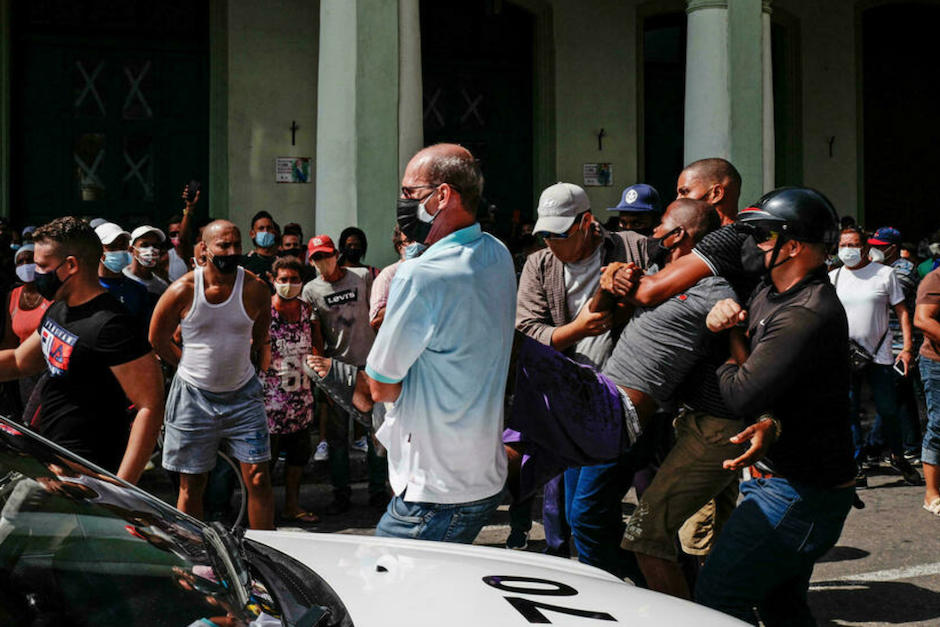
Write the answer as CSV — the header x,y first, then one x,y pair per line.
x,y
930,374
593,496
442,522
880,379
908,416
765,554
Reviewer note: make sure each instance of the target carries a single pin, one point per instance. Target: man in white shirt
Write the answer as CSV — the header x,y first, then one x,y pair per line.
x,y
442,356
867,290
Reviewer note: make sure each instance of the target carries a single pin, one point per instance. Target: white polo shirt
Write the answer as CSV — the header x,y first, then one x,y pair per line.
x,y
446,337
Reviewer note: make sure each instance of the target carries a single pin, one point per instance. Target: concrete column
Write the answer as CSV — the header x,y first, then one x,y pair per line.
x,y
6,86
729,93
770,156
707,95
358,120
410,92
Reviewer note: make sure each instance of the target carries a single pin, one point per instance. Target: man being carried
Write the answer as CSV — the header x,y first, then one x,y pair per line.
x,y
224,313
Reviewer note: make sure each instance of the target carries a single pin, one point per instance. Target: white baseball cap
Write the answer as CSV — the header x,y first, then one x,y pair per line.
x,y
108,232
140,231
558,206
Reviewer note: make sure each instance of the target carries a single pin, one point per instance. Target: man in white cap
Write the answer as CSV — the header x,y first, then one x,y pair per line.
x,y
556,285
114,259
145,248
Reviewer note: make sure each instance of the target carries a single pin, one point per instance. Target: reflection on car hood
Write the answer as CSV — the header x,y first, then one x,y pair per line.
x,y
385,581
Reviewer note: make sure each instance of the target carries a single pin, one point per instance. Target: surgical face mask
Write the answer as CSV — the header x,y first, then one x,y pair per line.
x,y
877,255
414,249
147,256
288,291
934,249
117,260
326,266
264,239
414,219
49,283
226,264
851,257
26,272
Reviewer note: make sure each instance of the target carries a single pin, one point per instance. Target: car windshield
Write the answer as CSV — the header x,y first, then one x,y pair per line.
x,y
80,547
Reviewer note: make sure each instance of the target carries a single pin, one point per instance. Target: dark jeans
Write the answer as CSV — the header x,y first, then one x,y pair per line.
x,y
765,554
908,414
930,371
337,436
554,520
880,380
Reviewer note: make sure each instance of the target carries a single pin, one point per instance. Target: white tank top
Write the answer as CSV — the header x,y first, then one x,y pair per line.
x,y
217,340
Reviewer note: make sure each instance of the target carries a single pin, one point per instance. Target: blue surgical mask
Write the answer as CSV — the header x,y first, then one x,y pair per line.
x,y
414,250
264,239
117,260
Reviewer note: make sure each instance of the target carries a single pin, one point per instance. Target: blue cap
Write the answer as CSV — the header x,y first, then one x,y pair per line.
x,y
639,197
884,236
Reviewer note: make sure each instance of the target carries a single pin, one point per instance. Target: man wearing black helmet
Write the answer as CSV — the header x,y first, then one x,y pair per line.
x,y
791,371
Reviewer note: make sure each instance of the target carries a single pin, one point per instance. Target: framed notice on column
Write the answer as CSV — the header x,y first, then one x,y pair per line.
x,y
292,170
598,174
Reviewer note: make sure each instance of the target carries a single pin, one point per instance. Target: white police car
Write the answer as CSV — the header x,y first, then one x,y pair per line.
x,y
80,547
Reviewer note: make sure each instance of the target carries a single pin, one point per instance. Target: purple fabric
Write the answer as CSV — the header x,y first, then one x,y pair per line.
x,y
554,519
566,413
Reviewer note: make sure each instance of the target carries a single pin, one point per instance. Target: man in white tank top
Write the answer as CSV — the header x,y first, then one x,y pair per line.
x,y
216,399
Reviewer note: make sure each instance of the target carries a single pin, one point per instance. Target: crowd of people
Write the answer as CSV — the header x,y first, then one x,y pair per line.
x,y
712,358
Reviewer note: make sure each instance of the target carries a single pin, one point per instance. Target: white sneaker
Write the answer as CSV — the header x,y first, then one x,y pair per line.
x,y
322,453
361,445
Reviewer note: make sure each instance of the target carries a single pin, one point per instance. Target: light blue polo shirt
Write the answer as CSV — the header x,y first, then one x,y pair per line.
x,y
446,337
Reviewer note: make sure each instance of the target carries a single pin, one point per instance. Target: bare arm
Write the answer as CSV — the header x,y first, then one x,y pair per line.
x,y
187,242
166,318
677,276
23,361
260,298
927,319
142,382
907,332
382,392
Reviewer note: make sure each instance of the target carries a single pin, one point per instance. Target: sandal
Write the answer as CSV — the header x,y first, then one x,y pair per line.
x,y
933,507
306,518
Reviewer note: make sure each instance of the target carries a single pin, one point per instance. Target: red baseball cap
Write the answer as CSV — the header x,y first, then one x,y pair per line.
x,y
320,244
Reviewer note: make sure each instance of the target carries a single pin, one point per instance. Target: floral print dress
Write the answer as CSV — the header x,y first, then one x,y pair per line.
x,y
288,397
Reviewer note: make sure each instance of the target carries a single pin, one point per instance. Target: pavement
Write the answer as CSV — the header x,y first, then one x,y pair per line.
x,y
885,569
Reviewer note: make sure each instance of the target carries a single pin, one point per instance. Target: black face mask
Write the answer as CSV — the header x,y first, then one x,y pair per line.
x,y
658,253
352,255
47,284
414,229
752,258
291,252
226,264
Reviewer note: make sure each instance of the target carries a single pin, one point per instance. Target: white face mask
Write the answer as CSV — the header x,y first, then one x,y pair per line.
x,y
877,255
851,257
288,291
26,272
147,256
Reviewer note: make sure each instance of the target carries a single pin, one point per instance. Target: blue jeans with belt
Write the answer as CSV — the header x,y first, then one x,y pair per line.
x,y
443,522
765,554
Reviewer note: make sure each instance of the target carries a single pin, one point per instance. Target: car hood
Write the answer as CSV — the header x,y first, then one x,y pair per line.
x,y
384,581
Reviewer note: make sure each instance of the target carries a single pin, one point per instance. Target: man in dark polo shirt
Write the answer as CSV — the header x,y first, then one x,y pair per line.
x,y
98,359
791,375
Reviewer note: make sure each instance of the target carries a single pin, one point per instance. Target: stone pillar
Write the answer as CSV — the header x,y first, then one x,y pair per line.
x,y
410,92
729,93
770,155
358,120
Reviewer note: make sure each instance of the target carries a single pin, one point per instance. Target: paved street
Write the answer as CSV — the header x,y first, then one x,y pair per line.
x,y
885,569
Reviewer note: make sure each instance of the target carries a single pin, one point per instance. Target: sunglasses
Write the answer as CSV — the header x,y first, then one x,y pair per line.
x,y
760,233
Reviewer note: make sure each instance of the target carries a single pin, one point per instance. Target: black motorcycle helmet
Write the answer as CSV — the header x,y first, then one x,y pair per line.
x,y
798,213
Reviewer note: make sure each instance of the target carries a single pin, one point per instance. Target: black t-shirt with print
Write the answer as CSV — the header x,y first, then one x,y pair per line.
x,y
83,407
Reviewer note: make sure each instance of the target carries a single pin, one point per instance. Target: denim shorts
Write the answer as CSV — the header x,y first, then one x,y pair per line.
x,y
198,423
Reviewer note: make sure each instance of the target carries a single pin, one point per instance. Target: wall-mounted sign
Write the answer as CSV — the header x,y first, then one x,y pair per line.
x,y
598,174
292,169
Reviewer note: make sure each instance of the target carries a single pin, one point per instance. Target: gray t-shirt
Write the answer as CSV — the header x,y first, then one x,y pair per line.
x,y
581,281
661,344
342,309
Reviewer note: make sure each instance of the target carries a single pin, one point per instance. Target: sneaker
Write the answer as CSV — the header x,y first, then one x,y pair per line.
x,y
518,540
322,453
871,461
913,457
360,445
911,476
861,479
